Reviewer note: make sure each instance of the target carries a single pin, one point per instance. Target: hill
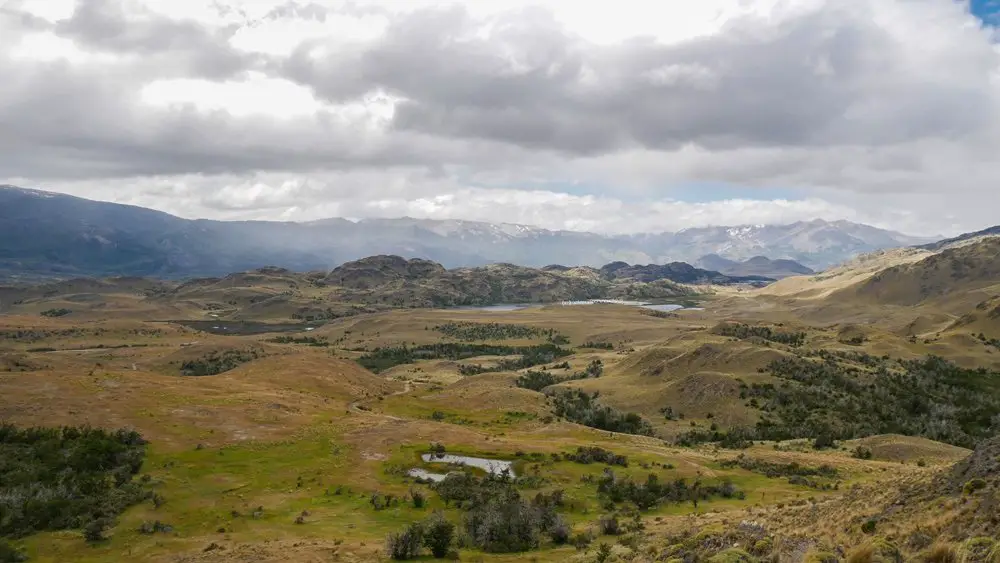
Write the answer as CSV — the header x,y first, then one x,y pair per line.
x,y
742,431
966,270
679,272
944,243
49,235
844,275
366,285
761,266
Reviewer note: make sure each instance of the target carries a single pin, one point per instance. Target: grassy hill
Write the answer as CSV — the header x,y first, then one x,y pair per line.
x,y
965,269
774,427
367,285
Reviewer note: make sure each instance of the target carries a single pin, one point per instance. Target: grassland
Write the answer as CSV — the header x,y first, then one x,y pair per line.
x,y
278,456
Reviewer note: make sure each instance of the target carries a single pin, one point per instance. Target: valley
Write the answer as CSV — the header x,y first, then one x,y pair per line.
x,y
314,417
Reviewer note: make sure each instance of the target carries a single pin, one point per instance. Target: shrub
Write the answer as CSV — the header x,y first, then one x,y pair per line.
x,y
581,540
653,492
560,531
869,526
603,553
418,498
733,555
406,544
438,533
747,332
67,478
821,557
824,442
862,452
609,525
977,550
61,312
381,359
824,393
877,551
149,528
594,454
470,332
941,553
218,362
581,407
96,529
504,525
762,547
973,485
10,554
536,380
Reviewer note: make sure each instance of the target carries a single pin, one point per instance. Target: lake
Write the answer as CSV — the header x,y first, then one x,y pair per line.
x,y
246,328
509,307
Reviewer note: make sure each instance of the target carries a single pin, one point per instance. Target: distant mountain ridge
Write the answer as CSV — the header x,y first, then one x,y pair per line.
x,y
991,231
44,235
756,266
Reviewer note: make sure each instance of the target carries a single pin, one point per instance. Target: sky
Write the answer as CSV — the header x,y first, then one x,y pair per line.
x,y
613,117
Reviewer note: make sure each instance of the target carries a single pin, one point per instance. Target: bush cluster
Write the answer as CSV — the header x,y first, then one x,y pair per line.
x,y
594,454
835,397
653,492
471,332
530,357
218,362
583,408
318,342
748,332
496,519
435,533
537,380
67,478
61,312
383,358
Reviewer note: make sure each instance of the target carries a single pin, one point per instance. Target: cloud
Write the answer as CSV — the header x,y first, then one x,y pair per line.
x,y
886,111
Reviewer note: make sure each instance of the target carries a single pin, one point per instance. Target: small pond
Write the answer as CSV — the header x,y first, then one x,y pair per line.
x,y
494,466
426,475
245,328
502,308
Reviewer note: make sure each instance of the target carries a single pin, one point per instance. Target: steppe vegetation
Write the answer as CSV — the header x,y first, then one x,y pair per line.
x,y
750,431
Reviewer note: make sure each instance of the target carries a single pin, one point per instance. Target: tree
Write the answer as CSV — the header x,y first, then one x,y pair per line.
x,y
438,533
10,554
603,553
405,545
95,530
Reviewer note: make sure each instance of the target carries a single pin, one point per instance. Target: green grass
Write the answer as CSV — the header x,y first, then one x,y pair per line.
x,y
203,486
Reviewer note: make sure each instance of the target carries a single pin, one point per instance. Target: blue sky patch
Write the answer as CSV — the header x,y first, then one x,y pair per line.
x,y
986,10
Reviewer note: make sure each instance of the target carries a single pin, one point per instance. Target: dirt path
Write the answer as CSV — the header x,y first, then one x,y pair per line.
x,y
355,408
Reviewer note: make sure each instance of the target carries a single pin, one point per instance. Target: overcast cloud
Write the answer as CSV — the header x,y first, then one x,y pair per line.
x,y
543,112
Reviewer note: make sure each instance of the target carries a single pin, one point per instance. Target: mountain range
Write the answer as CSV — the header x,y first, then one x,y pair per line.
x,y
44,235
756,266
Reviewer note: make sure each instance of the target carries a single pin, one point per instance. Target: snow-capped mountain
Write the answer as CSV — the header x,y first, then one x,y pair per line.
x,y
43,233
817,244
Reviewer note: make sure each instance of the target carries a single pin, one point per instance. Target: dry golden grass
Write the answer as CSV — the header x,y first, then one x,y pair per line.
x,y
308,412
